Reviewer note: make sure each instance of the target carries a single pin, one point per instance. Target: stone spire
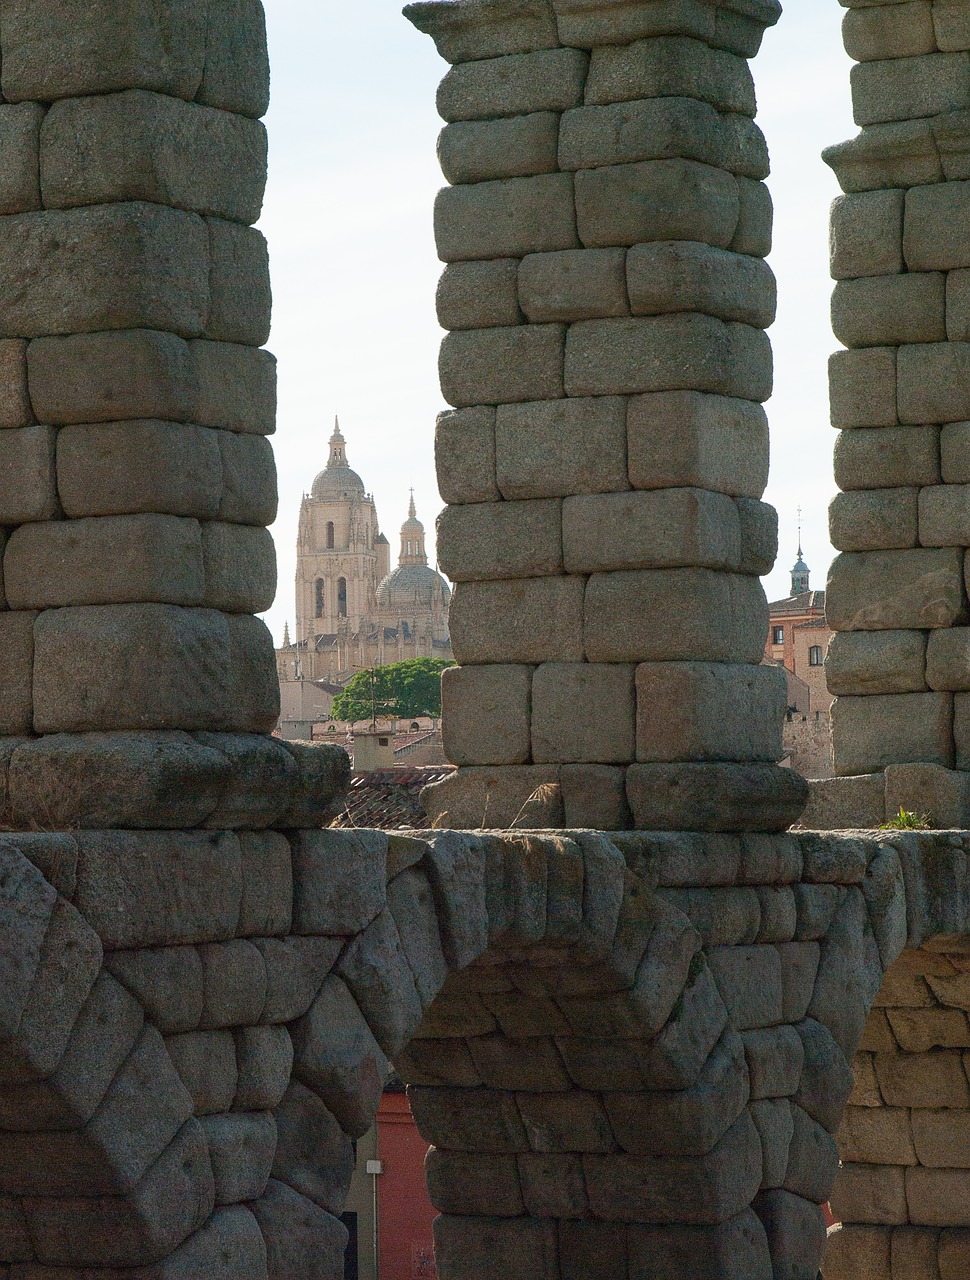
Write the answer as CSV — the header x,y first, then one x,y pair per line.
x,y
286,634
800,570
412,538
338,447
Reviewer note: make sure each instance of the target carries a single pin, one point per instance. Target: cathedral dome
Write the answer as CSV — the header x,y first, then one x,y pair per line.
x,y
412,586
337,479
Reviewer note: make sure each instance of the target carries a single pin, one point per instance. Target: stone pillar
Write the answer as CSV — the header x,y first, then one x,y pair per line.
x,y
900,661
136,477
607,295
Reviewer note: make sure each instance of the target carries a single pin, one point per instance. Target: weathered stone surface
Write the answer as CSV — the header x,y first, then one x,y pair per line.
x,y
683,438
295,970
476,295
465,455
846,803
888,590
667,277
583,712
300,1237
500,621
501,540
242,1148
264,1060
577,284
501,365
166,981
27,472
594,797
546,80
139,466
17,650
670,66
667,353
338,880
234,983
873,732
237,387
621,610
482,150
861,662
873,520
866,233
507,218
628,204
114,560
887,457
239,292
179,688
136,145
555,448
708,711
714,797
313,1155
236,72
889,310
486,714
87,270
862,388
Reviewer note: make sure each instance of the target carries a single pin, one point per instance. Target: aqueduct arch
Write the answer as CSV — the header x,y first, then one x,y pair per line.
x,y
630,1047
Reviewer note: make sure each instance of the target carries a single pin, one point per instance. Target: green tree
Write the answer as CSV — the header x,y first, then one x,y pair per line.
x,y
400,691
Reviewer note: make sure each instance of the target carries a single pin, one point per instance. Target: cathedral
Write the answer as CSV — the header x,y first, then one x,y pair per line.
x,y
352,610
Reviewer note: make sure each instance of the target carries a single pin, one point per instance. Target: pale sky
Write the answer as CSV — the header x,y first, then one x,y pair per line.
x,y
353,177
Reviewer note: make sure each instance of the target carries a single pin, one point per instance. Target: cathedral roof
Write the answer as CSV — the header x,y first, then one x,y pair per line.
x,y
412,586
337,479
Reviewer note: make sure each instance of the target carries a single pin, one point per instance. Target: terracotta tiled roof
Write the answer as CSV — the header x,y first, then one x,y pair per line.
x,y
388,799
807,602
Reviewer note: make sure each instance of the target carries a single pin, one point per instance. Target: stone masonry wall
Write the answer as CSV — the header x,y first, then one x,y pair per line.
x,y
607,295
897,595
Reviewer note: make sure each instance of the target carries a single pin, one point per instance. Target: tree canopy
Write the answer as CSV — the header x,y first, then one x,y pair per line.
x,y
401,691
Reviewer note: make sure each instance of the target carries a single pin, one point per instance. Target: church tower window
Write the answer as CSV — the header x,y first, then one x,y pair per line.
x,y
319,598
329,535
341,597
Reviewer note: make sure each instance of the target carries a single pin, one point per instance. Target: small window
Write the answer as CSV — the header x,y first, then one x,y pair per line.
x,y
329,535
341,597
318,609
777,635
384,742
815,656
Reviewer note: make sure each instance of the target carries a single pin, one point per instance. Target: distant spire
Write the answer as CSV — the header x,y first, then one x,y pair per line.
x,y
286,634
799,513
338,451
800,572
412,512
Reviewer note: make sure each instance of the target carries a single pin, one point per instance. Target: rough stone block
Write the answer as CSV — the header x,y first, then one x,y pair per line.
x,y
485,150
938,1197
887,457
554,448
594,797
575,284
499,365
583,712
148,146
338,880
234,983
775,1058
666,528
934,231
465,459
546,80
893,590
477,295
532,620
178,688
501,798
107,47
148,466
667,353
264,1059
239,567
20,139
147,889
944,515
239,292
487,717
644,129
17,656
874,520
709,711
934,382
115,560
110,377
670,66
954,442
249,494
877,662
463,37
166,981
930,1080
313,1155
873,732
870,1194
242,1148
667,277
105,780
866,233
501,540
707,616
884,311
628,204
897,31
469,1246
300,1238
236,72
862,388
921,86
948,658
295,968
15,407
506,218
322,782
80,270
465,1183
27,477
839,804
755,218
685,438
237,387
715,797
